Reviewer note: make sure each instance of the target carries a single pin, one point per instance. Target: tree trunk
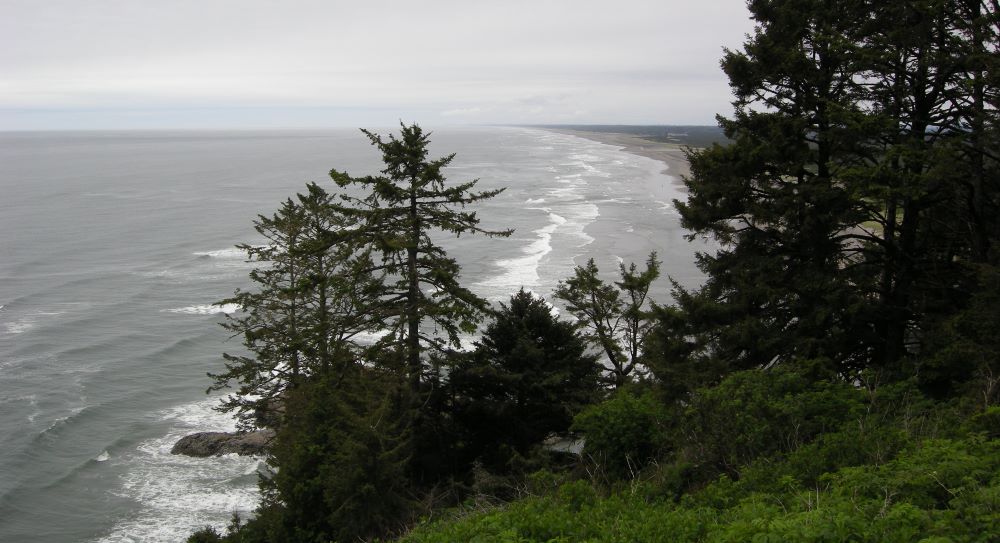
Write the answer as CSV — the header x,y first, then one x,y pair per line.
x,y
414,366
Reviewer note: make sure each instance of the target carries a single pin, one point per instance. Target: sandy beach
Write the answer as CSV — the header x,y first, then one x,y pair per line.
x,y
670,154
628,227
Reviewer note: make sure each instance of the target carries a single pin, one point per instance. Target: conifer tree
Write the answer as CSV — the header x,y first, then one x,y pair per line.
x,y
847,205
615,324
307,307
529,375
425,307
782,284
341,459
931,192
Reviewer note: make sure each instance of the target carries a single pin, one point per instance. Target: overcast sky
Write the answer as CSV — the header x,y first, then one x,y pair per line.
x,y
296,63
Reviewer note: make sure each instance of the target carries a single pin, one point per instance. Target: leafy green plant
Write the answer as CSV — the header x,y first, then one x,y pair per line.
x,y
756,414
623,434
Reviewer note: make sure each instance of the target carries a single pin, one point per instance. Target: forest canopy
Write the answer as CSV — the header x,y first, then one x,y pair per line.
x,y
835,378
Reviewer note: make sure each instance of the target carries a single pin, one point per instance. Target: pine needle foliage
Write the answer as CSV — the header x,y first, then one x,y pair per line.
x,y
400,211
306,311
615,317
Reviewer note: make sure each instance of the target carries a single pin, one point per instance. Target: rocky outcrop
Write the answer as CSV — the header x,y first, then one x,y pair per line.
x,y
204,444
564,443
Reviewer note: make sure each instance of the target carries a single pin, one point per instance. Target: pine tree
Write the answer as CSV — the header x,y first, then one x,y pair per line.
x,y
856,186
528,376
425,307
306,311
615,324
341,460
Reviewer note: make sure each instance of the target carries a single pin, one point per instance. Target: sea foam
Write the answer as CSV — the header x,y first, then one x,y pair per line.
x,y
206,309
523,271
177,494
29,321
232,252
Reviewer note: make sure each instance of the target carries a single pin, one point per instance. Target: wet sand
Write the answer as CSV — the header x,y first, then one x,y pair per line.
x,y
670,154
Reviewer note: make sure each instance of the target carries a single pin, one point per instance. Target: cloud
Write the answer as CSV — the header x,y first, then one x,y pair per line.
x,y
462,112
472,61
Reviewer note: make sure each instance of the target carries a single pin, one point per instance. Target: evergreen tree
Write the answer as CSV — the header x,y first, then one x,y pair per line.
x,y
679,351
976,41
782,285
305,312
930,192
856,189
347,453
616,325
340,459
397,215
529,375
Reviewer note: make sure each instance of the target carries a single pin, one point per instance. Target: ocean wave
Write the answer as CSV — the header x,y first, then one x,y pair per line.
x,y
565,193
230,253
528,201
472,165
206,309
19,326
667,207
579,216
523,271
61,424
175,494
29,321
587,167
232,269
198,416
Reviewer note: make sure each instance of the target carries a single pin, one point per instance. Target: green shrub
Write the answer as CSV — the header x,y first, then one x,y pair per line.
x,y
986,422
207,534
756,414
935,491
622,434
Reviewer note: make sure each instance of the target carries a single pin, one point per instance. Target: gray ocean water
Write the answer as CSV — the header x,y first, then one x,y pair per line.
x,y
114,246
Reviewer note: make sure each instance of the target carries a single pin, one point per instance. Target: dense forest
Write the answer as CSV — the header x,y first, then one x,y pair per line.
x,y
690,136
836,378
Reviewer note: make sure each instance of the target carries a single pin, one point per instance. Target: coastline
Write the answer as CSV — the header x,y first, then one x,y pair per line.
x,y
671,154
641,217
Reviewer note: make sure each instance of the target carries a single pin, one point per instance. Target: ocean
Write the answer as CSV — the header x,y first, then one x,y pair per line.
x,y
114,247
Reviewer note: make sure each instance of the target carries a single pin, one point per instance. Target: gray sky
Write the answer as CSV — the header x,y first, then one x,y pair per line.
x,y
300,63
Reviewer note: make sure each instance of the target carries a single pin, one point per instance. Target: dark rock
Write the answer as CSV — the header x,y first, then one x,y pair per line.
x,y
204,444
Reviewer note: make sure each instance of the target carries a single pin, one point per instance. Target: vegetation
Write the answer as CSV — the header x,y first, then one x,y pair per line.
x,y
343,365
528,376
396,215
941,490
615,318
692,136
849,227
307,312
836,378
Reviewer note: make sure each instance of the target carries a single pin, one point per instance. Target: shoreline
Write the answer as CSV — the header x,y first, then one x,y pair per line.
x,y
643,218
671,154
